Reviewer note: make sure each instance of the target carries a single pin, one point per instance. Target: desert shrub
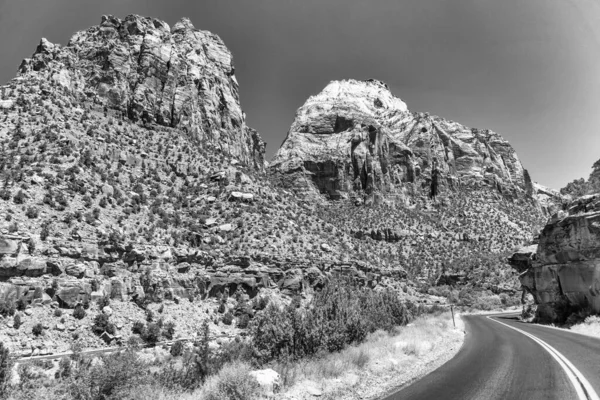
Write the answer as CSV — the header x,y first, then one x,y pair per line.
x,y
6,364
37,329
138,327
152,333
20,197
340,314
232,382
21,304
32,213
101,324
17,321
58,312
79,312
243,321
227,318
5,194
7,307
177,349
169,330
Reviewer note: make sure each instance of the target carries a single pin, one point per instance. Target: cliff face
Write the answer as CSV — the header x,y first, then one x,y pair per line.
x,y
564,268
178,77
355,139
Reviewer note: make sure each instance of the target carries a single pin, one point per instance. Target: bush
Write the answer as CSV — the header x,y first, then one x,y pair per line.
x,y
37,329
58,313
7,308
79,312
151,333
243,321
21,304
17,321
227,318
32,213
101,324
339,314
138,327
20,197
6,365
169,330
232,382
177,349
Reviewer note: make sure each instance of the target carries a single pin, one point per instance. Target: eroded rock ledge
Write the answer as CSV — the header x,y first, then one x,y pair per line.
x,y
564,267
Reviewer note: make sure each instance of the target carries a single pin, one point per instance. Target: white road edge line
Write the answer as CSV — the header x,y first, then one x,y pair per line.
x,y
584,390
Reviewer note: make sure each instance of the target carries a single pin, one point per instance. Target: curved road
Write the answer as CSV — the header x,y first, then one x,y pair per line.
x,y
498,362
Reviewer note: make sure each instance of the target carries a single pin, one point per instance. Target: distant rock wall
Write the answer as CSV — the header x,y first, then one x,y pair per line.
x,y
355,139
564,268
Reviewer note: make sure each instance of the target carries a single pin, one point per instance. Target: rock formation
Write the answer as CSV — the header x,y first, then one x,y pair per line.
x,y
179,77
355,139
563,269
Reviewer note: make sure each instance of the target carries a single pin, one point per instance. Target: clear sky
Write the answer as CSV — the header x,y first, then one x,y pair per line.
x,y
528,69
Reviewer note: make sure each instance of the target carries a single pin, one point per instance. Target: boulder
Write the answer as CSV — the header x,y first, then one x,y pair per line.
x,y
8,247
76,270
268,380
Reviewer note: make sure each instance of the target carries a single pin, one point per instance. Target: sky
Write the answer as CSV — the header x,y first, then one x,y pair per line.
x,y
527,69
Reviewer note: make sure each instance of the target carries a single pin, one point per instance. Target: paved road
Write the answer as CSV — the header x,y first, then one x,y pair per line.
x,y
499,362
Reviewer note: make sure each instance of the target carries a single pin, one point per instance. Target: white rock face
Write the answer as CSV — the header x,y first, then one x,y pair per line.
x,y
267,379
356,139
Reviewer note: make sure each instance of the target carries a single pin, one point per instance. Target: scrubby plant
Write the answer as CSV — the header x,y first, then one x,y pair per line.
x,y
6,366
151,333
102,324
169,330
17,321
340,314
79,312
37,329
227,318
7,307
177,349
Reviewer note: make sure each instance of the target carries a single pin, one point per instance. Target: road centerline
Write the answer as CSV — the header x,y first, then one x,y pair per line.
x,y
584,390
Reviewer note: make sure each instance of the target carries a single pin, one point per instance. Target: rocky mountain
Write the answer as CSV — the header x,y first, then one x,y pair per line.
x,y
357,140
128,176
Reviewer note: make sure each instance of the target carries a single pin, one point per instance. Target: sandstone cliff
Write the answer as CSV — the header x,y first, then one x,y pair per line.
x,y
179,77
562,271
357,140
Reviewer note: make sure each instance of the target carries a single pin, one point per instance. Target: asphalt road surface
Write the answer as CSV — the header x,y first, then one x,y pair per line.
x,y
503,358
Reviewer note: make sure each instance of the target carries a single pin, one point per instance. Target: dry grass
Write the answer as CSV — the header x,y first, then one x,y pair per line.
x,y
383,354
591,326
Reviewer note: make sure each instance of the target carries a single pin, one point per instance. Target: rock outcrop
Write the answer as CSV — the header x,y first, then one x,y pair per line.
x,y
178,76
564,268
355,139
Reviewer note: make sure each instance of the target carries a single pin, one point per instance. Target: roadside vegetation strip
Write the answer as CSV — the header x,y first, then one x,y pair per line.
x,y
584,390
